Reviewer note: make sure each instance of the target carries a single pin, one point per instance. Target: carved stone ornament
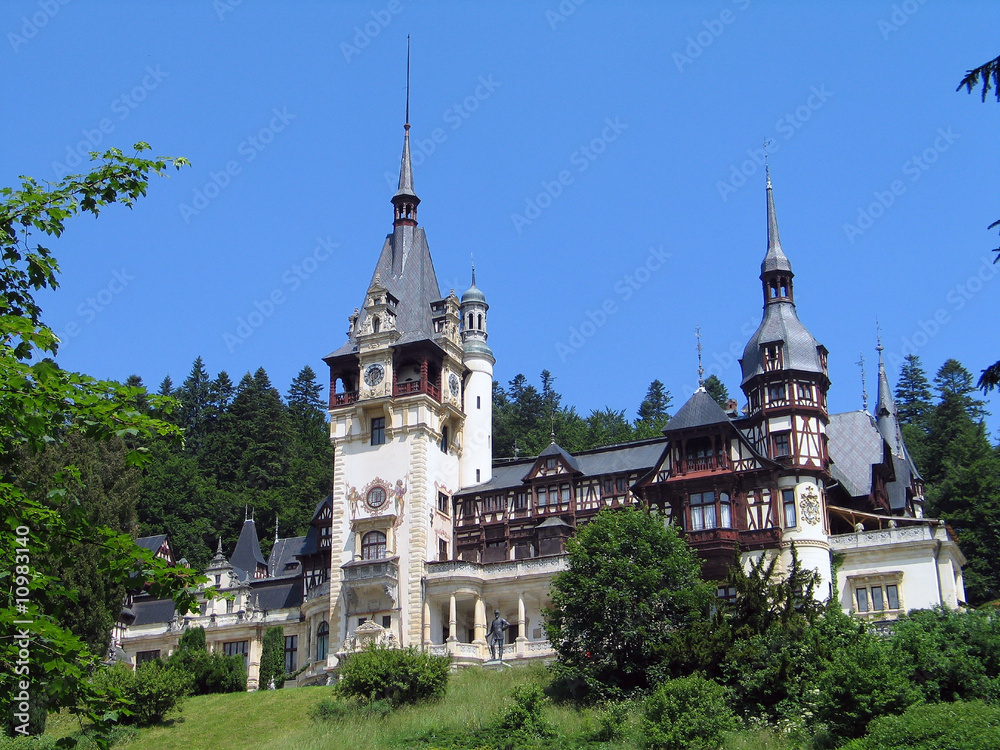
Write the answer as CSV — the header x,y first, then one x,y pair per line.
x,y
810,506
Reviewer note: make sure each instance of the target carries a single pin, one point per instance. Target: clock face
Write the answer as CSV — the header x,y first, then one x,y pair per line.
x,y
374,374
453,384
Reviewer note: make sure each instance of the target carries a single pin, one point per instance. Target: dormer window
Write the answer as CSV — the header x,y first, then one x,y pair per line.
x,y
376,324
772,356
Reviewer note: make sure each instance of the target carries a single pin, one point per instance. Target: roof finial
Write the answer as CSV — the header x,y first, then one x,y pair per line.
x,y
701,369
276,529
246,516
218,551
473,257
767,167
864,388
878,339
407,125
552,421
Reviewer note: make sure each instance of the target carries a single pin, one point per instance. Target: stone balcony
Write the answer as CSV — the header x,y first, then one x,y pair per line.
x,y
496,571
882,537
477,653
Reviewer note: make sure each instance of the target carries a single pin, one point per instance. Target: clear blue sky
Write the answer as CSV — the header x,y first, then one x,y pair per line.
x,y
651,113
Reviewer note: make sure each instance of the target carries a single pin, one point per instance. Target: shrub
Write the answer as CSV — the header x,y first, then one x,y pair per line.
x,y
525,714
955,726
144,696
395,675
688,713
330,709
210,673
272,659
611,722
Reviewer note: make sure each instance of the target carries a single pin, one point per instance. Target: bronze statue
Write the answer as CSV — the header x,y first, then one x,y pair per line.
x,y
495,635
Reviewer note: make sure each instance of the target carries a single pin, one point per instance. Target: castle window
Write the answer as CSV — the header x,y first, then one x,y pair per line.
x,y
862,597
479,402
373,546
378,430
444,439
804,392
143,656
237,648
470,321
782,444
325,532
442,550
892,595
564,493
443,504
772,356
477,475
776,392
520,500
480,321
725,511
607,487
726,594
291,653
877,598
543,497
702,511
550,464
376,324
621,486
322,640
788,503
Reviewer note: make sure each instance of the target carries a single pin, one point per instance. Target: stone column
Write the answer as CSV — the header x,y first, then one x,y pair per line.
x,y
452,619
522,637
427,623
479,625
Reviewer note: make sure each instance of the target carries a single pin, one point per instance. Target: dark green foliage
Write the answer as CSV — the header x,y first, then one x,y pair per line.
x,y
272,659
631,587
913,393
143,696
653,411
210,673
949,655
612,721
395,675
608,427
524,715
942,726
717,390
106,495
687,713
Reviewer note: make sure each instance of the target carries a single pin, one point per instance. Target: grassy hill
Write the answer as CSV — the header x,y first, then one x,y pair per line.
x,y
280,720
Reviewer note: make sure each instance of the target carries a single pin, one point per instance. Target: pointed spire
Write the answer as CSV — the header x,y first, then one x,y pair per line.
x,y
885,408
701,369
775,259
864,387
405,199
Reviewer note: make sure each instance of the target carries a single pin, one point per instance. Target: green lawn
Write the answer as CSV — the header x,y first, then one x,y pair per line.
x,y
279,720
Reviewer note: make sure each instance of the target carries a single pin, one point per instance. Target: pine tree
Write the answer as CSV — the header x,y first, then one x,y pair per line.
x,y
717,390
311,461
913,393
166,386
954,381
141,401
607,427
653,414
194,413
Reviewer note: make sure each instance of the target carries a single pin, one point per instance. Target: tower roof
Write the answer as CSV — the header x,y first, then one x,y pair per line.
x,y
775,259
474,293
700,410
406,169
247,555
887,422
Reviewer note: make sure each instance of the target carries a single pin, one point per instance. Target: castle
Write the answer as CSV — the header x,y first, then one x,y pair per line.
x,y
423,533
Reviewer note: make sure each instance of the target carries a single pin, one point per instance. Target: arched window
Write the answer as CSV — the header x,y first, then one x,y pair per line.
x,y
480,322
376,324
373,546
322,640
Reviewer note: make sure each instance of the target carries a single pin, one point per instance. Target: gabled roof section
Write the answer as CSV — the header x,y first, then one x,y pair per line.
x,y
701,410
283,554
247,555
855,446
565,461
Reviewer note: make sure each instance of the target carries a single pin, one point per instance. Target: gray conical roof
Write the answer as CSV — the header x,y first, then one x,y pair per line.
x,y
698,411
775,259
405,169
247,555
474,293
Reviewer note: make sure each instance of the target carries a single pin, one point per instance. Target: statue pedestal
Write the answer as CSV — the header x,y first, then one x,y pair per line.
x,y
496,664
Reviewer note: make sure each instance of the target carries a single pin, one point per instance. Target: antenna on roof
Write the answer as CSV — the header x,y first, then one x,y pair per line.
x,y
701,369
407,125
864,388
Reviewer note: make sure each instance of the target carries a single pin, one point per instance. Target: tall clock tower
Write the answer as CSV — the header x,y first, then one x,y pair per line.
x,y
399,390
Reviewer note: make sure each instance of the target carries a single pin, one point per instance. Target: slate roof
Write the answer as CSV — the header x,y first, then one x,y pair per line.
x,y
698,411
626,457
247,555
775,259
855,446
149,611
282,553
152,543
554,449
271,595
781,323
